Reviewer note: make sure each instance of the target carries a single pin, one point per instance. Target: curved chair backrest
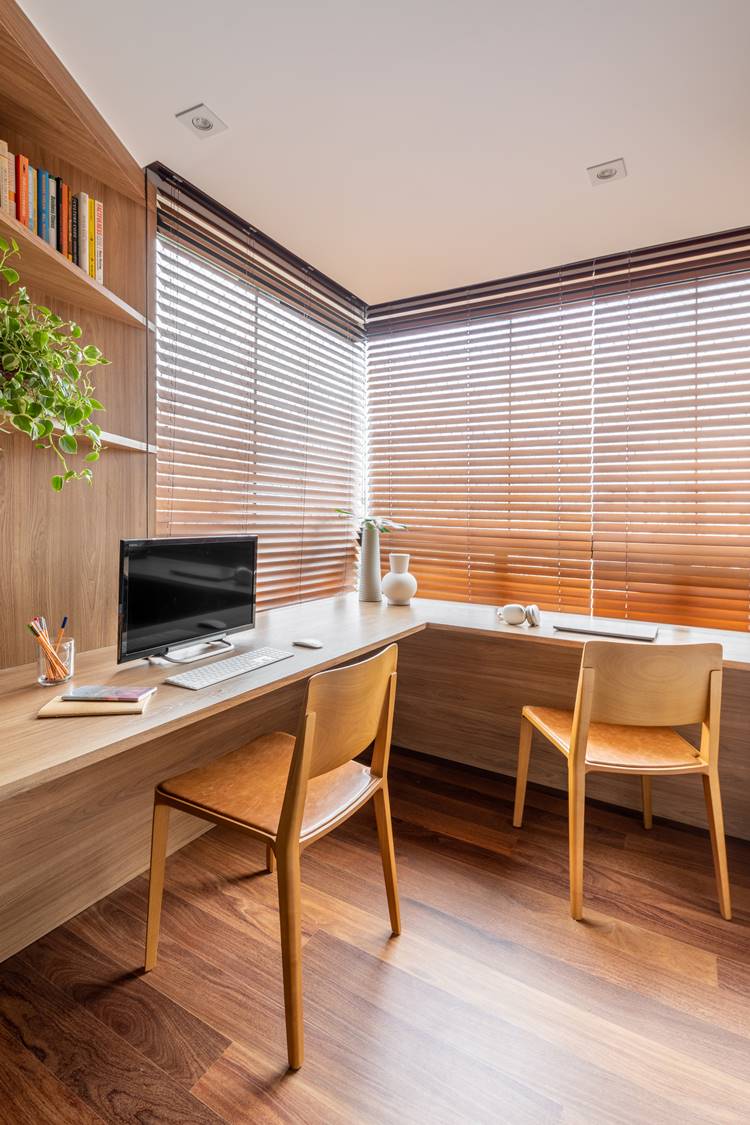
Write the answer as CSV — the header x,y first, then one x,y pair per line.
x,y
658,686
350,706
345,711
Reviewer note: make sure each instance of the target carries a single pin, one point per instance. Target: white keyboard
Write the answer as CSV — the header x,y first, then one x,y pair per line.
x,y
221,670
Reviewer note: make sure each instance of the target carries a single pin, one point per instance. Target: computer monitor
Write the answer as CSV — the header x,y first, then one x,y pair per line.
x,y
175,593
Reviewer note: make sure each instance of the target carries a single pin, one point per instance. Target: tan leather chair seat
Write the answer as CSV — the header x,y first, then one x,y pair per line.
x,y
617,747
248,785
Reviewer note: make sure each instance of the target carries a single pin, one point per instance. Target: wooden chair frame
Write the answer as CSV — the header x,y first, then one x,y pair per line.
x,y
649,700
313,755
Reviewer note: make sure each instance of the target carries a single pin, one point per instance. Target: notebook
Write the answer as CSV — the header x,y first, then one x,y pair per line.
x,y
105,693
627,630
59,708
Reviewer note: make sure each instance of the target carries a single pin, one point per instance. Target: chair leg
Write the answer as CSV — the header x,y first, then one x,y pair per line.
x,y
291,950
382,805
648,816
159,833
576,817
712,794
270,859
522,770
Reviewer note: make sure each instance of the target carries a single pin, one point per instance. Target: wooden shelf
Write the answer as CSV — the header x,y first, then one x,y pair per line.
x,y
44,269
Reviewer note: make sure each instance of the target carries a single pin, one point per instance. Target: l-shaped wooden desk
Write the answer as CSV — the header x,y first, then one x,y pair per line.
x,y
76,793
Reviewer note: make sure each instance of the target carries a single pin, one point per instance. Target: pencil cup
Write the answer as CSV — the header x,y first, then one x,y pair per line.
x,y
58,667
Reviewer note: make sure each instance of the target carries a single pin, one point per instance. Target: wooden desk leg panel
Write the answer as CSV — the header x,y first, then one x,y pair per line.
x,y
460,697
67,844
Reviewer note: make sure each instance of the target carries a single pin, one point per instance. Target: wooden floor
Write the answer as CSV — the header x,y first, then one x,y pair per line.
x,y
493,1005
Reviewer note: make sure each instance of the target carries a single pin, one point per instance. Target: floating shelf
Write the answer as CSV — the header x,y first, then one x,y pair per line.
x,y
117,441
45,269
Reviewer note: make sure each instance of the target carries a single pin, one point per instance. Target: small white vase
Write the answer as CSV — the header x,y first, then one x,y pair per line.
x,y
398,585
369,566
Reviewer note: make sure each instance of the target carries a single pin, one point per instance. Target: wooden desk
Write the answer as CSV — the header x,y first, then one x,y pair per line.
x,y
77,792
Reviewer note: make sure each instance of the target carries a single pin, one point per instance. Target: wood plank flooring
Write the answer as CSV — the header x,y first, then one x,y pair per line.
x,y
492,1006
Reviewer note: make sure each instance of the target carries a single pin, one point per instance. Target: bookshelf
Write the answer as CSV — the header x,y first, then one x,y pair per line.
x,y
45,270
59,551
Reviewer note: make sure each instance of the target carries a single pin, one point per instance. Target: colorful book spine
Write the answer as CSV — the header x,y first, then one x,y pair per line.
x,y
22,189
53,219
42,204
33,200
12,183
83,230
99,231
92,237
4,177
62,217
74,229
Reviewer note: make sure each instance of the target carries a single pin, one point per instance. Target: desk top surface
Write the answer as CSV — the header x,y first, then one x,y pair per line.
x,y
34,751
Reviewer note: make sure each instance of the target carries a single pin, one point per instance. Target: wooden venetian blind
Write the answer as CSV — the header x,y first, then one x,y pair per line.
x,y
576,437
259,398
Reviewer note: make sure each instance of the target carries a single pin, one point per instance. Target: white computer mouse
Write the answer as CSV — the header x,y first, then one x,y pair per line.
x,y
308,642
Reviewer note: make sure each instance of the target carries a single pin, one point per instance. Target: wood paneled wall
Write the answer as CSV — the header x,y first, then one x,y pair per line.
x,y
460,697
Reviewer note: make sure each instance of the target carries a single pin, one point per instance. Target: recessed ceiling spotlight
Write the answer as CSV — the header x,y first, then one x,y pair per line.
x,y
201,120
604,173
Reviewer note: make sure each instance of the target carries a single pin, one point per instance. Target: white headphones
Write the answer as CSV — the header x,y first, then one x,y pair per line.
x,y
515,614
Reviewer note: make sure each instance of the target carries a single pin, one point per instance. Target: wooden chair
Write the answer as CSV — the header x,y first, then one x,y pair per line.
x,y
289,792
628,699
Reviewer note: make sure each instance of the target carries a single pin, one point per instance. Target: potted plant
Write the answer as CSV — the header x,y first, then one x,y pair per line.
x,y
45,390
370,529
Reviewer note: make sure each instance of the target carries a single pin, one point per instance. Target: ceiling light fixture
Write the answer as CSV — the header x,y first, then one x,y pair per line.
x,y
605,173
201,120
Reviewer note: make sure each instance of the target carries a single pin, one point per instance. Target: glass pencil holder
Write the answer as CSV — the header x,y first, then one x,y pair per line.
x,y
57,667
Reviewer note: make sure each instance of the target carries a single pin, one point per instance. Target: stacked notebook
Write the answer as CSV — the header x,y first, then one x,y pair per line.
x,y
97,699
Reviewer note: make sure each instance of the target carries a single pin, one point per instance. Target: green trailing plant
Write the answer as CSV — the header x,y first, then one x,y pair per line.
x,y
45,389
378,523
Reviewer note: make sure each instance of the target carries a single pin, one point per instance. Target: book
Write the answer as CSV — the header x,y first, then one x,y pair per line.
x,y
59,708
52,209
4,177
74,233
62,217
22,189
99,241
12,183
92,237
33,201
42,204
69,198
83,231
105,693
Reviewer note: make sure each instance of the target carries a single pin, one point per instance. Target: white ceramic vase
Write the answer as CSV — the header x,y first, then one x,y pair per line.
x,y
398,585
369,566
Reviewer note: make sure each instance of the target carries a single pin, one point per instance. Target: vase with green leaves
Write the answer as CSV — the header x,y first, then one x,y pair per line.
x,y
45,388
370,530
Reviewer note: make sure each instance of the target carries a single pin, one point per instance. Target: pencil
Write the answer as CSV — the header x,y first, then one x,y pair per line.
x,y
60,633
55,665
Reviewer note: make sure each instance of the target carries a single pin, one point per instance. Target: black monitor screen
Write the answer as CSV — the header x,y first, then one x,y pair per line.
x,y
174,591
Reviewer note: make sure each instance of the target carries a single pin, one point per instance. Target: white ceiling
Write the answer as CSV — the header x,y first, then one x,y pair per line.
x,y
419,145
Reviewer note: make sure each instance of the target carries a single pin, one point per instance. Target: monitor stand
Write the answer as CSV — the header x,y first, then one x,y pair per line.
x,y
186,654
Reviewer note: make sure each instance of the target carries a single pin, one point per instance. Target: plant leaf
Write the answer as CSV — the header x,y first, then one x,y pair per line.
x,y
68,443
57,483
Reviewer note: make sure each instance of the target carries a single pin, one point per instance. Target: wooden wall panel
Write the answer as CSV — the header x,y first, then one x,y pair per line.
x,y
460,697
67,844
59,552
